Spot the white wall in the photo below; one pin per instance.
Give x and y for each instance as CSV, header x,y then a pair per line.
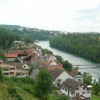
x,y
63,76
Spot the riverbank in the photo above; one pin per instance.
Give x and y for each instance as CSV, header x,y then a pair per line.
x,y
84,65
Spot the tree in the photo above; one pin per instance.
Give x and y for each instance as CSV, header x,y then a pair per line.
x,y
96,88
68,66
59,58
46,51
17,60
43,84
87,78
1,75
18,97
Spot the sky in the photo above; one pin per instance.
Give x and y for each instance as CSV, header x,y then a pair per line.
x,y
61,15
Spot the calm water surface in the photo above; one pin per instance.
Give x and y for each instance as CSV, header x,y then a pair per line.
x,y
83,64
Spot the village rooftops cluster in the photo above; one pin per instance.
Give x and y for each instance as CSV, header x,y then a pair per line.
x,y
19,62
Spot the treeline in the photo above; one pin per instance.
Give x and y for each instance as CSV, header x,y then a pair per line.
x,y
85,45
10,33
30,34
6,38
33,34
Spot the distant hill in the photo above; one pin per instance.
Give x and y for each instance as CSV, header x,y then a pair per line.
x,y
11,27
30,33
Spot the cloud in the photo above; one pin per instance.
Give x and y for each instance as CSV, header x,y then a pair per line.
x,y
88,14
67,15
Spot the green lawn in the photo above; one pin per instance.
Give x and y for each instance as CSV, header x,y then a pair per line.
x,y
94,97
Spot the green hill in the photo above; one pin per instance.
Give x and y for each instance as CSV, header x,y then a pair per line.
x,y
4,93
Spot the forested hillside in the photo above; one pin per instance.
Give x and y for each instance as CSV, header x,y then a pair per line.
x,y
30,34
6,38
85,45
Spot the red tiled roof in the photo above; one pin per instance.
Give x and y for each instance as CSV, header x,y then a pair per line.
x,y
29,50
59,66
11,55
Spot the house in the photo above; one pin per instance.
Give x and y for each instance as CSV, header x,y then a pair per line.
x,y
19,65
51,63
21,53
76,75
11,57
49,57
59,75
75,89
21,72
7,69
14,69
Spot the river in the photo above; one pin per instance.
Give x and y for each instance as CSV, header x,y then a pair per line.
x,y
83,64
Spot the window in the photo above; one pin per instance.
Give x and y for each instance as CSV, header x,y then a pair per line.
x,y
24,66
88,91
11,72
83,92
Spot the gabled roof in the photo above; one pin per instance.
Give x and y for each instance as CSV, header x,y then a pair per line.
x,y
74,73
71,83
11,55
55,73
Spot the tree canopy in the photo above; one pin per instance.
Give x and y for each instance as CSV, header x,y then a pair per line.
x,y
43,84
85,45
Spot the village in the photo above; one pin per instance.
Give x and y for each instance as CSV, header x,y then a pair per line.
x,y
24,60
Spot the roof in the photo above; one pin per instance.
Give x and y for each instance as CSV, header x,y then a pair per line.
x,y
29,50
11,55
74,73
29,55
50,68
55,73
71,83
59,66
17,64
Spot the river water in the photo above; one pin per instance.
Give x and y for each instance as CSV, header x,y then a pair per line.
x,y
83,64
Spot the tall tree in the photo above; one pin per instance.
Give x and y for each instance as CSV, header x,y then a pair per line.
x,y
87,78
96,88
43,84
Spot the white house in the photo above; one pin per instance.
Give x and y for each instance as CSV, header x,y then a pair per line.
x,y
75,89
53,63
76,75
59,75
51,57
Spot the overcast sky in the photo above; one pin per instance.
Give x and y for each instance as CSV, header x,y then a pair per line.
x,y
64,15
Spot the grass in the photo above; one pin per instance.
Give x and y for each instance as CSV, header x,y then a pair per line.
x,y
22,93
94,97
